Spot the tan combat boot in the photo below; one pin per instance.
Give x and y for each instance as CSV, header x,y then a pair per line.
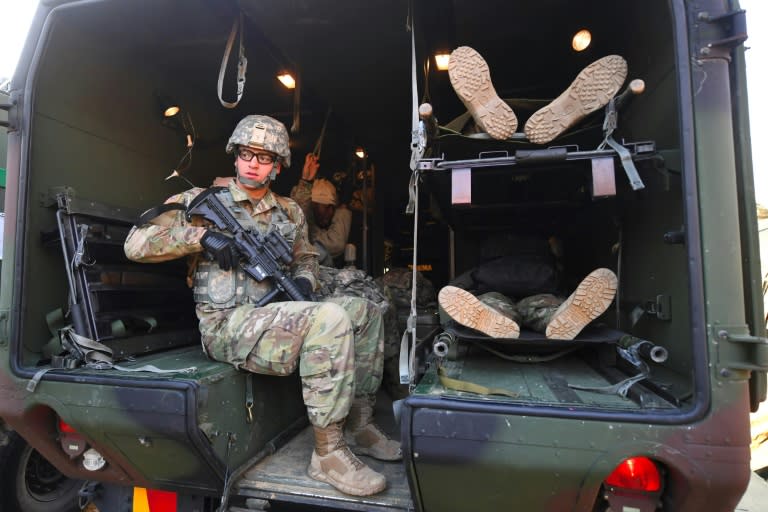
x,y
365,437
333,463
468,310
471,79
592,89
590,300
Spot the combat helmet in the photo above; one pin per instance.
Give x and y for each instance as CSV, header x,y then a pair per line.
x,y
261,132
323,192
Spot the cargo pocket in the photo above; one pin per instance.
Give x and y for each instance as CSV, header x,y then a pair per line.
x,y
317,385
276,352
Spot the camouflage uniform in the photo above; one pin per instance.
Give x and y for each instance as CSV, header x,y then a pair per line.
x,y
533,312
337,345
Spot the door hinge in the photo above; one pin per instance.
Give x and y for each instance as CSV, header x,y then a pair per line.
x,y
753,353
731,32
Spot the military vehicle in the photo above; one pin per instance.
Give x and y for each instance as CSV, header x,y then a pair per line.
x,y
647,409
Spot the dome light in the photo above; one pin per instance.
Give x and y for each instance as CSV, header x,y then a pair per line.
x,y
581,40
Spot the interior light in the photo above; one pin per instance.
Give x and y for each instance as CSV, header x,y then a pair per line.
x,y
636,473
441,60
360,152
581,40
287,80
171,111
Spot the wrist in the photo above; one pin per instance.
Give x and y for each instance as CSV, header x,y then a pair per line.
x,y
306,180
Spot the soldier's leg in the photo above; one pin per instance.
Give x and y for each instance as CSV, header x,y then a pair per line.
x,y
364,436
319,338
468,310
537,310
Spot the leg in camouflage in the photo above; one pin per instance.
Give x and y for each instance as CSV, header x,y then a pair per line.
x,y
321,338
274,339
363,435
537,310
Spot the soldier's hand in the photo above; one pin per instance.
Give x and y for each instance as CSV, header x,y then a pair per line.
x,y
304,286
311,166
222,248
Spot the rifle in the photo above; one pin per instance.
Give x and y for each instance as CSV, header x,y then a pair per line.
x,y
262,254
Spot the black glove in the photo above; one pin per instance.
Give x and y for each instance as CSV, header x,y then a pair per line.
x,y
222,248
304,286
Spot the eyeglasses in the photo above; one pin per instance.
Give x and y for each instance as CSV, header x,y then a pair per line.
x,y
263,158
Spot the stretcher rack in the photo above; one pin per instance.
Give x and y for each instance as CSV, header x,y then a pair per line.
x,y
131,307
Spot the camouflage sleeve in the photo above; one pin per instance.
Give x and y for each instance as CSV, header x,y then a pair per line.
x,y
302,194
304,262
166,237
335,237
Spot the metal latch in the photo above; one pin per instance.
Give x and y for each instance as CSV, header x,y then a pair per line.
x,y
733,31
7,108
661,307
757,356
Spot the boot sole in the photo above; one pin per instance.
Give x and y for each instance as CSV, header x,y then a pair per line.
x,y
346,489
471,79
592,89
467,310
590,300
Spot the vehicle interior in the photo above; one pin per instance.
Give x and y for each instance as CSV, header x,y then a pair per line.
x,y
98,85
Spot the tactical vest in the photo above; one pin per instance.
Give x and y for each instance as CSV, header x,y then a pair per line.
x,y
225,289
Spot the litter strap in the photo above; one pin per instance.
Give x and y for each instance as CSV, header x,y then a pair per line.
x,y
471,387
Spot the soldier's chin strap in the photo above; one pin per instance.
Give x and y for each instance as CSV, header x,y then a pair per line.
x,y
256,183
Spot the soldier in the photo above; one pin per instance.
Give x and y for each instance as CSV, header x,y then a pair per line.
x,y
499,317
329,224
336,344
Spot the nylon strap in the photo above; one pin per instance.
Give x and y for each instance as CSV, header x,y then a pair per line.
x,y
242,63
609,125
471,387
319,144
156,211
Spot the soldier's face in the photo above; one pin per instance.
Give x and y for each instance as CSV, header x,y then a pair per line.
x,y
253,170
323,214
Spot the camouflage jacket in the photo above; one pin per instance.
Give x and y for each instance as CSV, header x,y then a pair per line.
x,y
170,235
334,237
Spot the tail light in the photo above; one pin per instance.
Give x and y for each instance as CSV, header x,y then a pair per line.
x,y
153,500
71,442
635,484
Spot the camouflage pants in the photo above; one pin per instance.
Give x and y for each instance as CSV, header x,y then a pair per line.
x,y
338,346
533,312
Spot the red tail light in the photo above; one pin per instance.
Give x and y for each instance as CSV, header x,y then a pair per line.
x,y
637,474
65,427
161,501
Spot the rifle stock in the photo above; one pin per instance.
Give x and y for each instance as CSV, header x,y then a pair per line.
x,y
262,255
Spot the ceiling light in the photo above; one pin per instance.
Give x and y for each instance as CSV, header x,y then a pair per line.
x,y
581,40
441,60
287,80
360,152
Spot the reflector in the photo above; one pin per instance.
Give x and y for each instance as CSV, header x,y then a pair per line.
x,y
636,473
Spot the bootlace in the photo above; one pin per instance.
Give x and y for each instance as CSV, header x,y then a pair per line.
x,y
346,454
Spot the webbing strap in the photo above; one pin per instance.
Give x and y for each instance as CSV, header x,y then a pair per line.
x,y
242,63
156,211
471,387
319,144
609,125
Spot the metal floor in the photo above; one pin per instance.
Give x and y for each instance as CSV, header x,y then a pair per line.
x,y
282,477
